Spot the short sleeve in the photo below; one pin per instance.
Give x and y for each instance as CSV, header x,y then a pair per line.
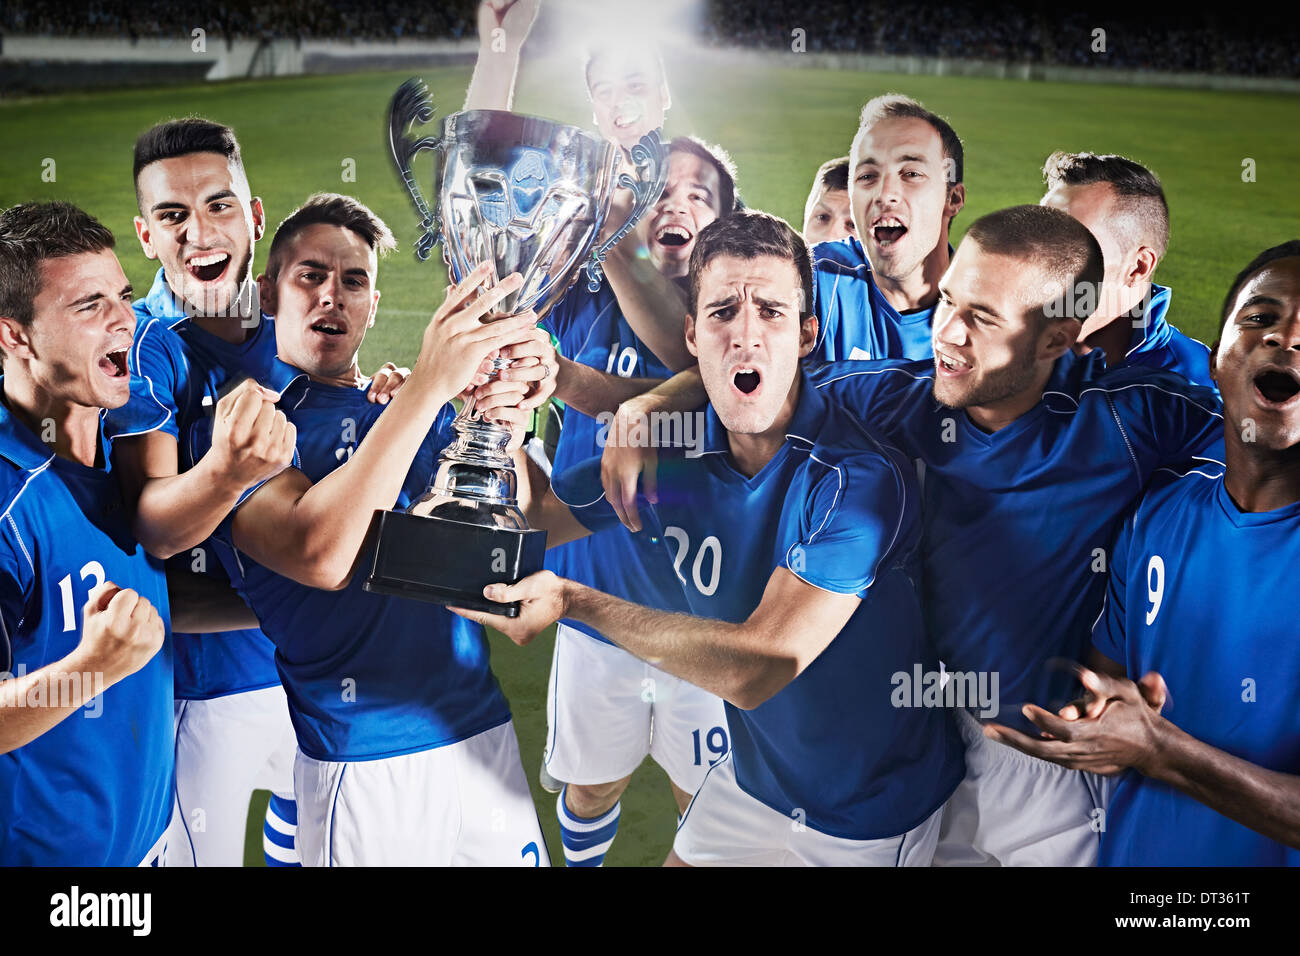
x,y
579,487
1168,419
1108,632
857,513
883,392
157,366
561,321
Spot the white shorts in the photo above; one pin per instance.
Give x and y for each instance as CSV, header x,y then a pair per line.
x,y
606,710
157,855
725,826
1016,810
226,748
465,804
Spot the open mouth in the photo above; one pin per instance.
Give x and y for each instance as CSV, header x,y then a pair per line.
x,y
328,327
949,366
746,380
887,230
1277,387
113,364
626,121
673,236
208,266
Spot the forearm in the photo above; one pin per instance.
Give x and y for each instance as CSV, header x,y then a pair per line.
x,y
492,87
732,661
594,392
330,520
1264,800
681,393
35,702
179,512
653,304
204,605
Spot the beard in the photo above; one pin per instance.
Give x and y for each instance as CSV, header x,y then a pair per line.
x,y
235,299
995,386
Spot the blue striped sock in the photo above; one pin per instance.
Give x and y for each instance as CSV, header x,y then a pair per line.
x,y
586,841
278,832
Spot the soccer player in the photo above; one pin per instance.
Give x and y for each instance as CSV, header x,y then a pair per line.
x,y
406,752
876,290
798,532
1031,454
1123,204
606,709
198,331
1198,603
826,214
86,688
626,82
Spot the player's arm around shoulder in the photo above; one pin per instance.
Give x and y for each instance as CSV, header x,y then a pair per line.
x,y
1165,418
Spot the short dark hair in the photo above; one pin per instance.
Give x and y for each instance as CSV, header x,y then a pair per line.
x,y
898,106
720,160
749,235
1139,196
1055,240
181,137
1285,250
833,174
335,210
32,232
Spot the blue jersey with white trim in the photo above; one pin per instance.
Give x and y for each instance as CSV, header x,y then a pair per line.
x,y
178,372
592,330
367,675
1018,523
1189,596
856,320
96,788
841,511
1156,344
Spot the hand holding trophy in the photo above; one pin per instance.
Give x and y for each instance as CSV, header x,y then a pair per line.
x,y
516,194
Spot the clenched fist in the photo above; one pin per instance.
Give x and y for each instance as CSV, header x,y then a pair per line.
x,y
120,634
251,438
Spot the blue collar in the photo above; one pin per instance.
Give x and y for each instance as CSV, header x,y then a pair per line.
x,y
1152,331
804,425
161,302
20,445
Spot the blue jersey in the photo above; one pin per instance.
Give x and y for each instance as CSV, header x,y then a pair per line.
x,y
1018,523
592,330
1199,591
367,675
841,511
95,789
177,372
856,320
1158,345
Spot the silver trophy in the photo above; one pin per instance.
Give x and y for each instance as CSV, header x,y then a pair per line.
x,y
530,196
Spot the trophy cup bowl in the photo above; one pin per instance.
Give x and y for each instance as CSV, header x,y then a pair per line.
x,y
530,196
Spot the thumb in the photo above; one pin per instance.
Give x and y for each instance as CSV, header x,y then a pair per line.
x,y
101,596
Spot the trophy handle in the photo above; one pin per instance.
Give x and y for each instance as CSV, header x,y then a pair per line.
x,y
650,157
412,102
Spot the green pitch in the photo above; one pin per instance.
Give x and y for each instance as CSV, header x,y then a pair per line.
x,y
328,133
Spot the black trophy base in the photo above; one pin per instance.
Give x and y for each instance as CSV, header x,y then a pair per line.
x,y
450,562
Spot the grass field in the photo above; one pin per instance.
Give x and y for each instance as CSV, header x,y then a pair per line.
x,y
779,126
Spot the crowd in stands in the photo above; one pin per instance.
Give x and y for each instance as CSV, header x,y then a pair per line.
x,y
1033,31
